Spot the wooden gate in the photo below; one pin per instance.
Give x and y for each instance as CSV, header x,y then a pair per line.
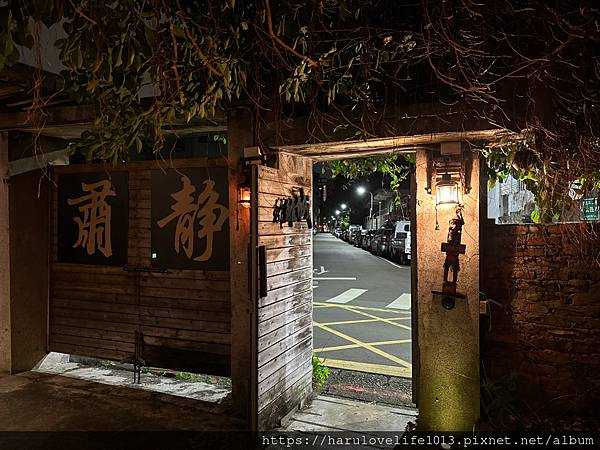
x,y
284,293
99,303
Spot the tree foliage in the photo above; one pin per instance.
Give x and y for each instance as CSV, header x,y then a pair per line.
x,y
396,167
530,65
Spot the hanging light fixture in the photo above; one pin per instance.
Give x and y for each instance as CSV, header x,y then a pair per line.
x,y
447,191
244,196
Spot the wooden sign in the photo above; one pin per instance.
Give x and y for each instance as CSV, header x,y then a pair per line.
x,y
93,216
190,219
296,208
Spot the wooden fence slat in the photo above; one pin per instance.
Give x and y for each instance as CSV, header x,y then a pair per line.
x,y
279,267
285,292
283,319
285,279
270,339
281,254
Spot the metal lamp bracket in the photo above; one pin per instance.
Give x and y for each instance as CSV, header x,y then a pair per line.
x,y
452,159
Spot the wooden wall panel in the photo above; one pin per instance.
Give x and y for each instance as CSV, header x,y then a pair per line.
x,y
284,326
96,310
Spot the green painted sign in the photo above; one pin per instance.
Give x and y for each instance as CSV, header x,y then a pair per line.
x,y
589,209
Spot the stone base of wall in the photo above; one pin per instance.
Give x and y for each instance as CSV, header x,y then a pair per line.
x,y
544,331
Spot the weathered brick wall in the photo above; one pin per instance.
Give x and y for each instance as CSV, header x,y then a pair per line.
x,y
547,329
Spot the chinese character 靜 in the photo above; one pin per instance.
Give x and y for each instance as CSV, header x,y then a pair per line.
x,y
192,210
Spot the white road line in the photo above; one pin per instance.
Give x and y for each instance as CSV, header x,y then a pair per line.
x,y
347,296
336,278
402,302
394,264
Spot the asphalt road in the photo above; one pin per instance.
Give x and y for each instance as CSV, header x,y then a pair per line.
x,y
361,309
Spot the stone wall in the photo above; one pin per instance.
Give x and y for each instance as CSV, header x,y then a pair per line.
x,y
545,330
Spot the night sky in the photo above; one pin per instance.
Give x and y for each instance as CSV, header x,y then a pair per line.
x,y
340,190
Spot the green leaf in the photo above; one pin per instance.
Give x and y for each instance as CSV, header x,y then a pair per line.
x,y
138,144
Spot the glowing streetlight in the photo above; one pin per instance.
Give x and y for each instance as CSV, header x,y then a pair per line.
x,y
337,212
343,206
361,190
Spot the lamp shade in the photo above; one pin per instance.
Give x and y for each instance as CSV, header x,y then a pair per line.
x,y
446,191
244,196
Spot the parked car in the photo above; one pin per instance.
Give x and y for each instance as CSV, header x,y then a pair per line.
x,y
374,241
359,237
400,247
354,234
365,242
382,239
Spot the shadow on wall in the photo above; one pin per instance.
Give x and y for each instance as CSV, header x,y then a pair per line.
x,y
540,345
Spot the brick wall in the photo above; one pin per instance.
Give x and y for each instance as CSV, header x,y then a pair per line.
x,y
546,330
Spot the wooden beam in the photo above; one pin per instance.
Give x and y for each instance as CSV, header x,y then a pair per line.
x,y
390,145
242,310
64,115
68,122
23,165
359,154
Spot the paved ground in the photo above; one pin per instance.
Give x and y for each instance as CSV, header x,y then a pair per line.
x,y
362,309
327,413
40,402
369,387
207,388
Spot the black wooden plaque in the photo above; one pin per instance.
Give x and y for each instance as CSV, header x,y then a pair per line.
x,y
93,218
190,219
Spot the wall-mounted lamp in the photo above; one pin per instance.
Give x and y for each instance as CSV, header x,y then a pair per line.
x,y
449,175
447,191
244,196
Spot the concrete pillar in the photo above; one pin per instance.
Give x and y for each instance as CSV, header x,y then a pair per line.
x,y
29,244
5,322
23,262
448,385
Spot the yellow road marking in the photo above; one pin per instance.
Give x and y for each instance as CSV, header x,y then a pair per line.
x,y
364,345
367,367
382,319
331,305
346,322
348,346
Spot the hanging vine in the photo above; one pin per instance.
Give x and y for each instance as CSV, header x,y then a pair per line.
x,y
529,65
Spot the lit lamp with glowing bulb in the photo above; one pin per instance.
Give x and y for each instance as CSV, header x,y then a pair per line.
x,y
244,196
447,191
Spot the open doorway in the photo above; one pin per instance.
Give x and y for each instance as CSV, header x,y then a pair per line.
x,y
362,286
362,321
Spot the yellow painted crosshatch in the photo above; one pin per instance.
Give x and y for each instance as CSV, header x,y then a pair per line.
x,y
93,212
190,219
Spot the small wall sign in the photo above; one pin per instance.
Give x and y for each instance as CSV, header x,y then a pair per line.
x,y
293,209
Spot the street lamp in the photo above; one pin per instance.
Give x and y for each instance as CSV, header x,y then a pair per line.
x,y
337,212
343,206
361,190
